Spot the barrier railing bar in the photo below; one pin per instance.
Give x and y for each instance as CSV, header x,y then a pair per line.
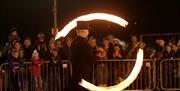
x,y
161,75
112,64
123,60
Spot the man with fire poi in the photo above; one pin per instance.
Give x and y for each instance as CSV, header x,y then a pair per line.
x,y
82,57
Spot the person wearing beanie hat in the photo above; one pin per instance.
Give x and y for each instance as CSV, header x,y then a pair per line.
x,y
36,70
13,36
41,46
13,29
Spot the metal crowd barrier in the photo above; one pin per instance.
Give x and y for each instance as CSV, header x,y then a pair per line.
x,y
170,74
111,72
55,77
104,73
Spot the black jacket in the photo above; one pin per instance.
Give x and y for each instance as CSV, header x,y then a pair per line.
x,y
82,59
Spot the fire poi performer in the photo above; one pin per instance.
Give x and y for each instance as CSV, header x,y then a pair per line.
x,y
125,83
82,57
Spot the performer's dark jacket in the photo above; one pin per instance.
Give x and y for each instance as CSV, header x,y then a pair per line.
x,y
82,59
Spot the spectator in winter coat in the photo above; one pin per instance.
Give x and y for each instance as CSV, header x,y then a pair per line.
x,y
108,47
41,46
16,65
28,49
36,70
160,44
168,53
92,42
102,68
65,51
13,36
54,71
131,48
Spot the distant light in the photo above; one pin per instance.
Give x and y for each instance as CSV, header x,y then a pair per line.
x,y
89,17
133,75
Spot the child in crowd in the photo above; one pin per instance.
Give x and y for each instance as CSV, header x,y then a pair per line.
x,y
16,65
54,70
102,68
36,70
117,53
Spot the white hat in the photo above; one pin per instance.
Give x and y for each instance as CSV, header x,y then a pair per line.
x,y
35,53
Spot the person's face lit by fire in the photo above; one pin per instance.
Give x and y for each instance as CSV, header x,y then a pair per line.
x,y
174,47
58,44
17,46
68,41
83,33
106,42
117,48
168,48
27,42
15,54
134,39
92,42
14,33
55,53
101,53
41,37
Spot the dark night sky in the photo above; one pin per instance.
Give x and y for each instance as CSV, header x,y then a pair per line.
x,y
33,16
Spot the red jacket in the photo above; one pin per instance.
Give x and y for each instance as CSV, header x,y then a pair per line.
x,y
36,69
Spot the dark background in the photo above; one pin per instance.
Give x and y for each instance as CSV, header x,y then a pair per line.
x,y
144,16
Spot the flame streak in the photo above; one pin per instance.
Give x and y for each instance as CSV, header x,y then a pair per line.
x,y
89,17
119,21
122,85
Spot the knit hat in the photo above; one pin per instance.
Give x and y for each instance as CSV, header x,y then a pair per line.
x,y
13,29
35,53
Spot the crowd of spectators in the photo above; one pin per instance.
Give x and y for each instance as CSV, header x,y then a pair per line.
x,y
110,47
20,50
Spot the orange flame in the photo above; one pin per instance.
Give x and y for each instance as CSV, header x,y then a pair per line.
x,y
89,17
